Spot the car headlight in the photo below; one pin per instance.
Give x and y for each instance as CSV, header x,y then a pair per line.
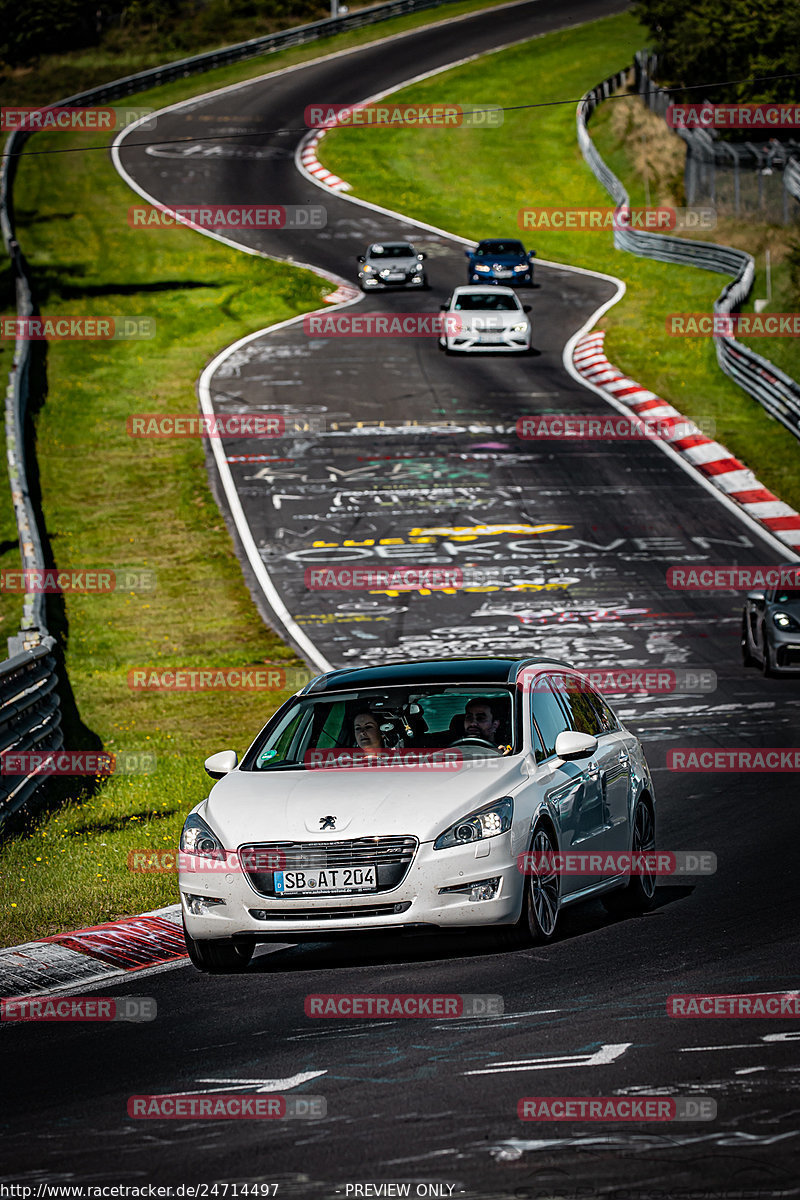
x,y
482,267
521,327
522,267
784,621
197,838
487,822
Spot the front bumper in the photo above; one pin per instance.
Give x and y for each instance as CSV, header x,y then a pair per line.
x,y
416,901
369,283
785,652
510,344
521,279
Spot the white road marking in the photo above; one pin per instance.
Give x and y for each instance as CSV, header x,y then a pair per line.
x,y
606,1054
255,1085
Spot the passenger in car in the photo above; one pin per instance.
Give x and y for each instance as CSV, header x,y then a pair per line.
x,y
367,732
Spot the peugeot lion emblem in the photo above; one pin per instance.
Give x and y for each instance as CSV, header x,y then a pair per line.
x,y
327,822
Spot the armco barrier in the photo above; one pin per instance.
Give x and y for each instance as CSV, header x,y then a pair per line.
x,y
30,718
776,392
31,648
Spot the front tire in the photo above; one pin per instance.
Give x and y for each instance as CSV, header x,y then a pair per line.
x,y
747,658
217,956
541,899
639,894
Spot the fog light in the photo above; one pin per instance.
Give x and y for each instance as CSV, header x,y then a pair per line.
x,y
482,889
200,905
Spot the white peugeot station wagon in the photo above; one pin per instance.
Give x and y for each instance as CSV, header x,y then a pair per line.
x,y
415,797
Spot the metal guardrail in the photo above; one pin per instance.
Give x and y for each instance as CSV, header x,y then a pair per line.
x,y
30,719
775,391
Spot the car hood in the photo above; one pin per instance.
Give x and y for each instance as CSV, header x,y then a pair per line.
x,y
501,260
249,806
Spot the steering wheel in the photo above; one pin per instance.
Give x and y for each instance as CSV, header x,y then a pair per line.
x,y
474,741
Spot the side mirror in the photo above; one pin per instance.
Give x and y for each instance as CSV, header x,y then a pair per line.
x,y
526,308
757,595
570,744
468,253
361,258
220,764
531,254
443,307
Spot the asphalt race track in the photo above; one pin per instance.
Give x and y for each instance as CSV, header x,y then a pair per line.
x,y
411,458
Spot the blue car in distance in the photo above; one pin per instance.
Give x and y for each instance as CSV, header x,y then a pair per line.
x,y
500,260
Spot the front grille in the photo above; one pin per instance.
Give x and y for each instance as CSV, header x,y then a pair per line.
x,y
788,656
391,856
328,914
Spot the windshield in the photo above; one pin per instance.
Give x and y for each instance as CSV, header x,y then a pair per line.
x,y
392,252
386,720
500,248
486,302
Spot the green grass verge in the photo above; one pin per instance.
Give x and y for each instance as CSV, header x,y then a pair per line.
x,y
473,182
113,501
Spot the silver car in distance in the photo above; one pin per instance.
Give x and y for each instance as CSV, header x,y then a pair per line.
x,y
391,265
406,798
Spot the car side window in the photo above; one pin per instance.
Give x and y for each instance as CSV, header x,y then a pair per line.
x,y
588,711
549,718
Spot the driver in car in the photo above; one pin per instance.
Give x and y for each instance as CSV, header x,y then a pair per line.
x,y
481,719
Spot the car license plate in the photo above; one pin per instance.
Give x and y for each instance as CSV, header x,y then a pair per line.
x,y
490,337
327,881
501,273
396,276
